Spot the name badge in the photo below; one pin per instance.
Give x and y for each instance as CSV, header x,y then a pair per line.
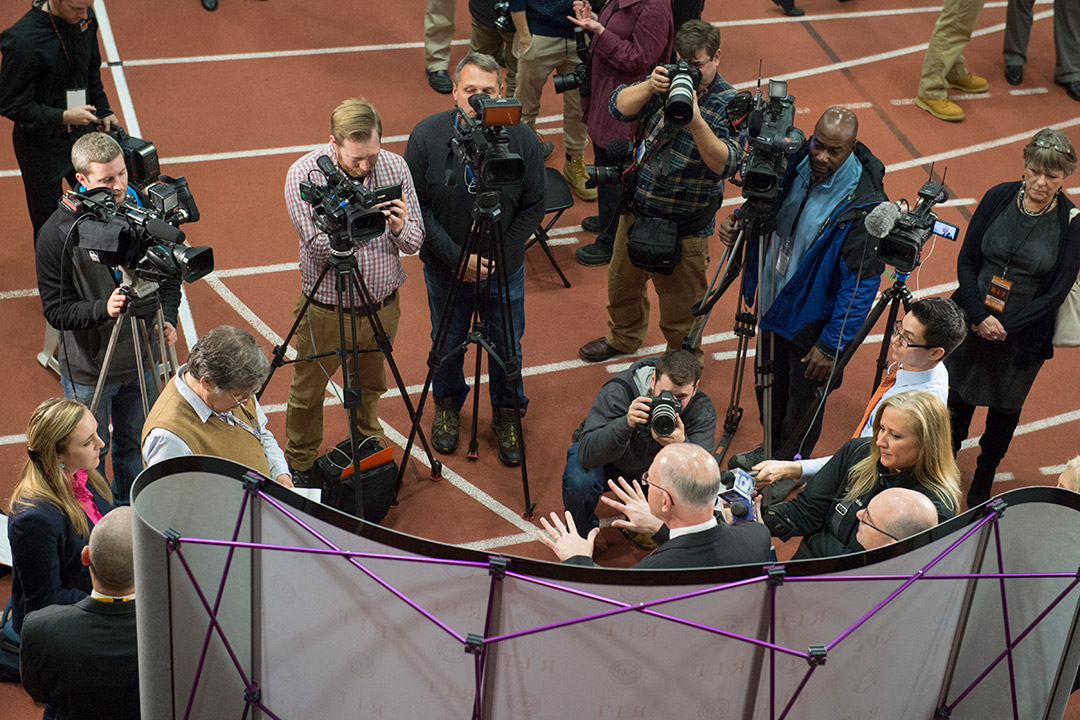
x,y
997,293
783,256
76,98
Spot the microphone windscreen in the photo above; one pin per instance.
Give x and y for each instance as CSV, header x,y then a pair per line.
x,y
739,510
881,220
617,149
164,231
755,122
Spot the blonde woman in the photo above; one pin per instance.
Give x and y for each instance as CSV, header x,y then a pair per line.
x,y
1070,478
909,448
56,502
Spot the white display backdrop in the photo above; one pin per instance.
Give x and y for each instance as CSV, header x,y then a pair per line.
x,y
410,628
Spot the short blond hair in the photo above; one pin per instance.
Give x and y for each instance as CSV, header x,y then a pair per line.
x,y
355,119
95,147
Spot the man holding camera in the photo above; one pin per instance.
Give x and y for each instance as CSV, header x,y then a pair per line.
x,y
679,185
619,438
821,274
82,299
50,87
447,192
354,149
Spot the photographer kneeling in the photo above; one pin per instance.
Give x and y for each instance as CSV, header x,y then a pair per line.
x,y
619,435
684,153
82,299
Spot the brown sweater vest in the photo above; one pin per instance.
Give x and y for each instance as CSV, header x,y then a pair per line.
x,y
215,436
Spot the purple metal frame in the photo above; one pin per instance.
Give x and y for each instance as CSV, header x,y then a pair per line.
x,y
479,645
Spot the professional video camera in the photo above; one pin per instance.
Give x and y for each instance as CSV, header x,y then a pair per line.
x,y
663,413
578,78
902,235
140,157
773,141
144,241
343,203
684,79
481,144
503,21
620,156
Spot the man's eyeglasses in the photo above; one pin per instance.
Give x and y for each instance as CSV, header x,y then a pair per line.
x,y
241,400
865,520
898,333
1047,145
645,481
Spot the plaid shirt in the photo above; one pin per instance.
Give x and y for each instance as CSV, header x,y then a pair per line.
x,y
379,263
690,185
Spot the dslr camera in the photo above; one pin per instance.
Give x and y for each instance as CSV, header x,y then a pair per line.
x,y
773,141
685,79
343,208
578,78
664,411
480,143
503,21
620,156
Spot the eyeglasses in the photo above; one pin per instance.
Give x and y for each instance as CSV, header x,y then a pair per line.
x,y
645,481
1047,145
898,333
865,520
242,400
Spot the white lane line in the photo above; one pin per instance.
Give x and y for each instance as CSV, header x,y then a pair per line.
x,y
12,439
280,54
1004,477
1052,469
257,270
1030,91
12,294
814,17
1033,426
501,542
959,97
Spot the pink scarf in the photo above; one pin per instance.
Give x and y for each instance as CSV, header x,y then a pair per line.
x,y
84,497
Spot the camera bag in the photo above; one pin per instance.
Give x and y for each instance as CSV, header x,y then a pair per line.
x,y
653,245
375,483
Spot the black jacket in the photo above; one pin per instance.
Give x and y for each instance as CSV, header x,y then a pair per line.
x,y
827,524
743,544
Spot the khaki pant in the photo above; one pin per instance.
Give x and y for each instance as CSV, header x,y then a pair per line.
x,y
544,56
438,32
944,61
628,294
489,41
318,333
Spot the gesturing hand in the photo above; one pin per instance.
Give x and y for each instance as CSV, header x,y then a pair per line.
x,y
564,539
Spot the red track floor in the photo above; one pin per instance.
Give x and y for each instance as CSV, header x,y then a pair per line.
x,y
255,115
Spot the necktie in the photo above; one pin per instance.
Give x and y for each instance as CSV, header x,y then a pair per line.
x,y
886,382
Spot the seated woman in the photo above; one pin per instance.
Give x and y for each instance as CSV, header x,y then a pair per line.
x,y
1069,479
59,497
910,448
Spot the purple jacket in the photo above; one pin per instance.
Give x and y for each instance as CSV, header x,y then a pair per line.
x,y
637,37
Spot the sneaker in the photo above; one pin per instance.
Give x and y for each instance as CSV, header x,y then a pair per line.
x,y
502,422
748,459
591,224
970,84
944,109
444,428
598,350
592,255
576,177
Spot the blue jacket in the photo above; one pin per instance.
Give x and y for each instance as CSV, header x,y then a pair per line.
x,y
837,277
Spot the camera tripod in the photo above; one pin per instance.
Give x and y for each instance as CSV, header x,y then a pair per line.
x,y
350,287
486,232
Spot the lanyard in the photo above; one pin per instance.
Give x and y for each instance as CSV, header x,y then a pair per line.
x,y
63,45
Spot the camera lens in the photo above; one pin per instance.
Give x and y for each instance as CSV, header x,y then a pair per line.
x,y
569,81
680,102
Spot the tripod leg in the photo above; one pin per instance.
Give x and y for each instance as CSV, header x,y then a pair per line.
x,y
106,363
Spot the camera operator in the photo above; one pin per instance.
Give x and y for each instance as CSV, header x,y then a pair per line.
x,y
617,439
50,87
680,183
821,272
354,148
628,40
82,299
447,210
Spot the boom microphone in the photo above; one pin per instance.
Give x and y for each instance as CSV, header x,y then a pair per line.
x,y
881,220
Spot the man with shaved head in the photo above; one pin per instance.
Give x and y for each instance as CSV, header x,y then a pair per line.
x,y
892,515
82,660
820,275
683,482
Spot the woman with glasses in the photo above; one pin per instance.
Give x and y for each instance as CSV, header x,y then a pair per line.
x,y
909,448
1018,261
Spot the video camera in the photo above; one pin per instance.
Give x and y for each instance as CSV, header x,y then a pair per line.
x,y
620,157
480,143
684,79
140,157
902,235
578,78
773,140
343,203
145,242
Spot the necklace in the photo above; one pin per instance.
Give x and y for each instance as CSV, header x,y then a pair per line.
x,y
1035,213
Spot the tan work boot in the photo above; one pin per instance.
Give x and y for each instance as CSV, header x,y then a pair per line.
x,y
943,109
970,84
574,172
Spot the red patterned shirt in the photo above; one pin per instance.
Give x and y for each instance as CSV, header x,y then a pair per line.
x,y
378,259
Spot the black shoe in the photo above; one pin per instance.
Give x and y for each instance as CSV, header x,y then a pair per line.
x,y
301,478
748,459
789,8
502,422
597,351
1072,88
1014,74
591,224
444,428
440,81
592,255
546,148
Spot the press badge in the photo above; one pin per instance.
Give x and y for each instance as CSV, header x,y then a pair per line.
x,y
783,256
76,98
997,293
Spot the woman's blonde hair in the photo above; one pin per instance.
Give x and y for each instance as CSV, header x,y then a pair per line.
x,y
935,469
42,478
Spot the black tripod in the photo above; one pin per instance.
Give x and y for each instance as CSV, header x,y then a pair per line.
x,y
350,286
485,233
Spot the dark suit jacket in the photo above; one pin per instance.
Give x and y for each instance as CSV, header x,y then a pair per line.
x,y
746,543
83,659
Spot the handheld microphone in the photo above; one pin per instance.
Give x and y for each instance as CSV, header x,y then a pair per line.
x,y
881,220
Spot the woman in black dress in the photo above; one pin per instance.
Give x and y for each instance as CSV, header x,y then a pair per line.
x,y
1018,261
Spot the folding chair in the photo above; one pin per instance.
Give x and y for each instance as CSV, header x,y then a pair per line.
x,y
557,199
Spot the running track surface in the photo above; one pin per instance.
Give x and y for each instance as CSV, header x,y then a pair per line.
x,y
232,98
